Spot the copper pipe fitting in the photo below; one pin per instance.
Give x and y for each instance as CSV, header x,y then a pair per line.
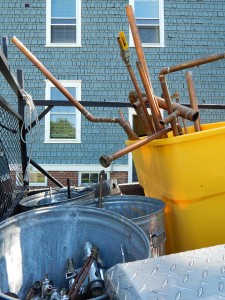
x,y
64,91
105,160
192,96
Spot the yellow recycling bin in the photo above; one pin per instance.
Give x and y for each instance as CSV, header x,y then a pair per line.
x,y
188,173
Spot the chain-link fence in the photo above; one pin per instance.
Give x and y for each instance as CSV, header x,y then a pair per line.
x,y
11,173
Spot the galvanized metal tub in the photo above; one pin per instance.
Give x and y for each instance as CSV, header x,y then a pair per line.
x,y
146,212
38,242
56,197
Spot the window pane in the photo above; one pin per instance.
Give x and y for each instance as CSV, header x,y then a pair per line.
x,y
64,8
146,8
149,34
62,127
94,177
58,96
36,177
85,178
63,34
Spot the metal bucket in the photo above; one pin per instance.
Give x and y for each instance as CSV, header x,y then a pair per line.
x,y
56,197
146,212
38,242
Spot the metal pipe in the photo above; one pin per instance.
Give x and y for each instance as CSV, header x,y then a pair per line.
x,y
150,97
170,117
105,160
139,48
192,63
166,94
192,96
64,91
101,188
142,112
185,112
39,168
68,189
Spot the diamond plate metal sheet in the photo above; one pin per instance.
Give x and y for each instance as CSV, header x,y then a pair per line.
x,y
197,274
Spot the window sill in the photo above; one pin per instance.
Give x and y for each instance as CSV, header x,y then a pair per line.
x,y
61,142
63,45
150,46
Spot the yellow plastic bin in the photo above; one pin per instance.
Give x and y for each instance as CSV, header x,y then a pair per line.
x,y
188,173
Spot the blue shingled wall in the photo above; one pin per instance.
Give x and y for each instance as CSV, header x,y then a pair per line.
x,y
193,29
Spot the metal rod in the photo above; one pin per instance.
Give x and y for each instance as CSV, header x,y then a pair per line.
x,y
139,48
150,97
101,188
185,111
192,96
166,94
169,118
105,160
65,92
68,189
142,112
149,129
192,63
39,168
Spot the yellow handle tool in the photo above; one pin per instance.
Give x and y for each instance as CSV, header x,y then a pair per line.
x,y
123,40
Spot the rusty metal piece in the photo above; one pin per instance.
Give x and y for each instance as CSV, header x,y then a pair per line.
x,y
172,117
68,189
33,290
83,273
101,174
142,112
131,135
177,98
192,96
149,129
137,41
166,94
185,112
150,97
105,160
192,63
139,49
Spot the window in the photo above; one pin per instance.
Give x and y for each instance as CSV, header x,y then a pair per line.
x,y
149,16
36,178
63,122
63,23
90,177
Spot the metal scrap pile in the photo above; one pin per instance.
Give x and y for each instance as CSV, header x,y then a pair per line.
x,y
84,283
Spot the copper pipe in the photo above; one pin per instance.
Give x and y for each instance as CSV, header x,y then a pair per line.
x,y
139,48
105,160
142,112
169,118
185,112
177,97
166,94
192,96
64,91
150,97
192,63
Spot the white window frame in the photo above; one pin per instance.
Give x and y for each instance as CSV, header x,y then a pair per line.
x,y
161,28
66,83
48,27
